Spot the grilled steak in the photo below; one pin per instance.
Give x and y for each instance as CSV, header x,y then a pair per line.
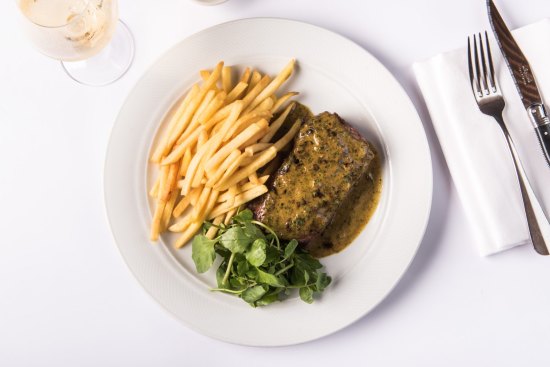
x,y
328,158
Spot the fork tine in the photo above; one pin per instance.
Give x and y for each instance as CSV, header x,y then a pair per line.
x,y
474,79
491,76
484,80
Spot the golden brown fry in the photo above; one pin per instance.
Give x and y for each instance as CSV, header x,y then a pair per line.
x,y
205,74
157,155
226,79
266,105
236,92
155,189
252,94
254,138
167,215
212,108
193,167
157,217
179,150
256,77
256,148
201,203
246,76
185,162
274,85
229,215
187,234
215,178
262,159
184,203
213,231
241,199
233,144
212,199
245,121
276,125
288,136
182,224
193,105
254,178
281,101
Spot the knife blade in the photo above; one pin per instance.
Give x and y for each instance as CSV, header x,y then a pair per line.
x,y
523,78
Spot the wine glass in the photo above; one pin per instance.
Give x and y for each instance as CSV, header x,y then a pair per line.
x,y
94,46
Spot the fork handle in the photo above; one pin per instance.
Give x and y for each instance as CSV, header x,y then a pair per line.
x,y
527,194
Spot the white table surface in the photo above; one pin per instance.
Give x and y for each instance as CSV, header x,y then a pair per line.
x,y
68,299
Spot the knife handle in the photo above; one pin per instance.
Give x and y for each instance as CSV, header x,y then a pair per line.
x,y
543,133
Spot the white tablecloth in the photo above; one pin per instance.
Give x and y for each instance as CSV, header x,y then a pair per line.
x,y
67,298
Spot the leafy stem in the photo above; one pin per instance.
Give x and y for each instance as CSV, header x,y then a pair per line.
x,y
269,230
228,270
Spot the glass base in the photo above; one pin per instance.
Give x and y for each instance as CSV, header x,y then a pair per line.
x,y
107,66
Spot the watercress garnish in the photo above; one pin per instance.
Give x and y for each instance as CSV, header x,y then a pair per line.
x,y
256,266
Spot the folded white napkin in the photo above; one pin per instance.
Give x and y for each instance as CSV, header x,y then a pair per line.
x,y
474,146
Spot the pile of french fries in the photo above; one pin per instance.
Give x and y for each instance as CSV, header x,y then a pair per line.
x,y
216,141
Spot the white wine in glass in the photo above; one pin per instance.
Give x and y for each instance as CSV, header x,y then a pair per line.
x,y
95,48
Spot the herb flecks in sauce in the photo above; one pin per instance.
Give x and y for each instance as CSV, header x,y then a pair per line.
x,y
312,189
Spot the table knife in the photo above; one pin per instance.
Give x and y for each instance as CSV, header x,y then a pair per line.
x,y
523,78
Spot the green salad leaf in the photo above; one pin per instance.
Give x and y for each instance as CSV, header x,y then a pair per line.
x,y
256,266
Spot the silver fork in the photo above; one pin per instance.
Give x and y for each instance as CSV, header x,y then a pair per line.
x,y
490,101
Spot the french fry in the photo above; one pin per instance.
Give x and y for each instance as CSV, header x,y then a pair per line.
x,y
155,189
227,195
254,138
236,92
226,79
157,155
234,155
182,224
280,144
191,198
157,217
187,234
213,231
233,192
234,144
205,74
182,123
207,208
263,159
254,92
208,98
281,101
276,125
274,85
232,168
201,203
245,121
167,215
240,199
229,215
266,105
179,150
254,178
256,77
186,159
246,76
256,148
212,108
193,167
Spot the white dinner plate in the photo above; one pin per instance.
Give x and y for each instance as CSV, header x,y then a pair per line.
x,y
333,74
